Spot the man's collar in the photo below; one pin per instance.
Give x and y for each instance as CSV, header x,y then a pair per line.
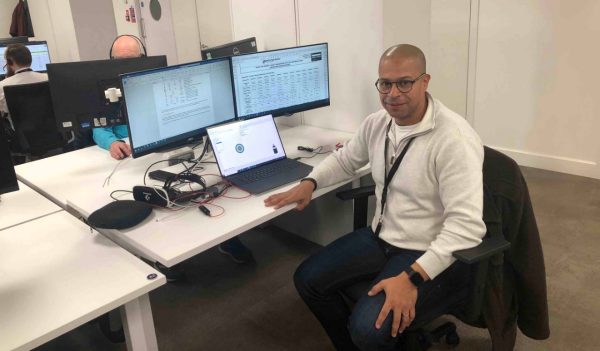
x,y
22,69
428,121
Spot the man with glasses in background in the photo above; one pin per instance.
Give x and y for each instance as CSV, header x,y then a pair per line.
x,y
426,162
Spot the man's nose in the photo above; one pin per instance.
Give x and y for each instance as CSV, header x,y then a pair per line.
x,y
395,91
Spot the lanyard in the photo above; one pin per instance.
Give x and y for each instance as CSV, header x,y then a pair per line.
x,y
390,175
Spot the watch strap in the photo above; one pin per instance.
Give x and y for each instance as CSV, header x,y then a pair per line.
x,y
414,277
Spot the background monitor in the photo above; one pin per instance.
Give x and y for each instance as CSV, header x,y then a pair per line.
x,y
172,106
8,178
281,82
13,40
77,90
244,46
40,56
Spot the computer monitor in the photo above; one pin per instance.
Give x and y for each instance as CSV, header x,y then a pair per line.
x,y
172,106
78,88
40,56
244,46
8,178
281,82
13,40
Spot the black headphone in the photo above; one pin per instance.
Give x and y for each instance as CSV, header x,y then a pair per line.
x,y
142,47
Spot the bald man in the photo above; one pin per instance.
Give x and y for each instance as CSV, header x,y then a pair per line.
x,y
426,162
111,138
126,46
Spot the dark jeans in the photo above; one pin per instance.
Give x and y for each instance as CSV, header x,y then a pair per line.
x,y
356,260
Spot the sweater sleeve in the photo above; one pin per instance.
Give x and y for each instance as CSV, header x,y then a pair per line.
x,y
458,167
343,163
104,137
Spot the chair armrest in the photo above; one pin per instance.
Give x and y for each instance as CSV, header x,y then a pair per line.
x,y
486,249
356,193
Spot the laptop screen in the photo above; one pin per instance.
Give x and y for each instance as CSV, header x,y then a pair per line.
x,y
246,144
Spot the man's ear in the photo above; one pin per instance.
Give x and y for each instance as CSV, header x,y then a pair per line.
x,y
426,79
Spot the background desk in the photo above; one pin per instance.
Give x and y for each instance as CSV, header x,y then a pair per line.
x,y
75,179
55,275
24,205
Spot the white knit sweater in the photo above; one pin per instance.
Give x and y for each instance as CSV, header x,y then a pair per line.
x,y
435,199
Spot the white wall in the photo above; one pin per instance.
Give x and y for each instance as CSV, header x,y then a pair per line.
x,y
440,29
448,58
407,22
272,22
537,82
124,27
185,26
52,21
95,28
6,10
353,29
214,21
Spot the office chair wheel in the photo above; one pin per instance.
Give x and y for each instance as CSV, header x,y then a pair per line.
x,y
452,338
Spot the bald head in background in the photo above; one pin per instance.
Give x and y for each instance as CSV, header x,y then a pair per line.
x,y
126,47
404,64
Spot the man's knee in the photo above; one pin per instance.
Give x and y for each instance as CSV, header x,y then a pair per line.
x,y
361,326
303,278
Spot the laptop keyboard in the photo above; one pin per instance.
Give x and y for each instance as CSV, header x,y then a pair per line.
x,y
263,172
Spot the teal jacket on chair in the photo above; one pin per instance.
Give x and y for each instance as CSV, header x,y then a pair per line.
x,y
106,136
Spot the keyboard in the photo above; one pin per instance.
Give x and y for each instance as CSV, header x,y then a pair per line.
x,y
263,172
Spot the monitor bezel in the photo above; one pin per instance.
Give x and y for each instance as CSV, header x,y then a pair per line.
x,y
69,117
203,53
182,139
290,110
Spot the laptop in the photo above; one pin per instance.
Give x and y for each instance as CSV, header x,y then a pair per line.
x,y
250,155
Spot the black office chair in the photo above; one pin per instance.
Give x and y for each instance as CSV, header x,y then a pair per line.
x,y
32,114
467,301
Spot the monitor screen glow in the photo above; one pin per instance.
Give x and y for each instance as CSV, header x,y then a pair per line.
x,y
39,56
174,105
281,82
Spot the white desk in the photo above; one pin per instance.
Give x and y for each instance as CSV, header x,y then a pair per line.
x,y
168,237
22,206
82,171
55,275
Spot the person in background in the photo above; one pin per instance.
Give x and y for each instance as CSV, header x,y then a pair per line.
x,y
111,138
426,162
18,70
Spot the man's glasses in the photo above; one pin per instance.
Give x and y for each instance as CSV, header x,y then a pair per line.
x,y
404,86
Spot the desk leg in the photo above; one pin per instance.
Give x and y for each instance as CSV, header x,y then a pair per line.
x,y
138,325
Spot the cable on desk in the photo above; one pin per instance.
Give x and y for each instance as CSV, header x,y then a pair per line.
x,y
107,179
315,151
119,191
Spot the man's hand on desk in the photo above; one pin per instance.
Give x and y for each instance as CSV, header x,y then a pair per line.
x,y
301,194
119,150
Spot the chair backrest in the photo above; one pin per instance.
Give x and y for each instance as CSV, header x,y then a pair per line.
x,y
32,113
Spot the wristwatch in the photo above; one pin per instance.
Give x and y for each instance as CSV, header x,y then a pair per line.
x,y
414,276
